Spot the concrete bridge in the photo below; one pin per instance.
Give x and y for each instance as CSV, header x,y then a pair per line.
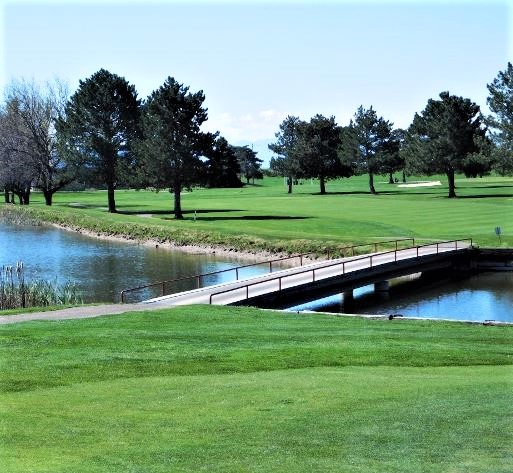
x,y
292,286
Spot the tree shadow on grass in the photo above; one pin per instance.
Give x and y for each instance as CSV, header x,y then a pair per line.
x,y
484,186
341,193
378,193
485,196
171,212
248,217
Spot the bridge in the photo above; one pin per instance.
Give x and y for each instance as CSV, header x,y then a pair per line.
x,y
291,286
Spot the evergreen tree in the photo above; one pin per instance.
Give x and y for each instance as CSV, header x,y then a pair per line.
x,y
172,141
286,163
99,127
249,163
500,102
222,166
377,147
317,150
442,138
392,160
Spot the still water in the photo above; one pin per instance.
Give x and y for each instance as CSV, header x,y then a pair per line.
x,y
103,268
480,297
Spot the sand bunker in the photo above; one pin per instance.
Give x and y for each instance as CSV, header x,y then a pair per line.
x,y
421,184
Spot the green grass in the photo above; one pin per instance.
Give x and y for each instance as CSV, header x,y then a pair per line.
x,y
264,216
223,389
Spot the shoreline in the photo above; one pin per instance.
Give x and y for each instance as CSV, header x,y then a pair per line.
x,y
243,247
257,256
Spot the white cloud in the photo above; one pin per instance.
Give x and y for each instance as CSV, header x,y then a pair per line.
x,y
247,127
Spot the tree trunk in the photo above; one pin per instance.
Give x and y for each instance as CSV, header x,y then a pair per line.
x,y
371,183
452,187
404,176
23,197
323,185
110,196
48,196
390,178
7,196
289,184
178,202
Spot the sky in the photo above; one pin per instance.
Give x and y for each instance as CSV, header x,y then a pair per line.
x,y
259,61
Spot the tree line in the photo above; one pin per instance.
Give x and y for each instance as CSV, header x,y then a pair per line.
x,y
104,135
449,136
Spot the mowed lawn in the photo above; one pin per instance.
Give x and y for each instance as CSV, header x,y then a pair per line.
x,y
347,214
223,389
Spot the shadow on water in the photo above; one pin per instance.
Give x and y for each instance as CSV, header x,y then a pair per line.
x,y
480,297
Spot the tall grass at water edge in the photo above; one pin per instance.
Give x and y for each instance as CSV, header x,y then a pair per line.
x,y
16,292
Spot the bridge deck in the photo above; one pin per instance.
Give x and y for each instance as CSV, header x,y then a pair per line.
x,y
302,277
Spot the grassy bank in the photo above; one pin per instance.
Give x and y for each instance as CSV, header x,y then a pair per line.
x,y
237,389
264,218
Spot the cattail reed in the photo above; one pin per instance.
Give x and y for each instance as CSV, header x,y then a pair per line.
x,y
16,292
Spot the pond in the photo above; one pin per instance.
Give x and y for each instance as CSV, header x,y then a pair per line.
x,y
480,297
102,268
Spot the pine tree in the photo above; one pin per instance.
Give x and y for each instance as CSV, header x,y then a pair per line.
x,y
443,136
172,141
99,128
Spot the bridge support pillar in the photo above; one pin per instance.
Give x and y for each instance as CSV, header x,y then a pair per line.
x,y
382,290
348,302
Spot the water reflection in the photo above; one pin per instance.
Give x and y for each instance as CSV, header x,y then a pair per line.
x,y
481,297
102,268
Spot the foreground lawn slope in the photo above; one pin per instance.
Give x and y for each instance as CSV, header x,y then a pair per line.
x,y
238,389
265,217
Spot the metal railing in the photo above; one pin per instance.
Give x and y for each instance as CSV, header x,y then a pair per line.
x,y
371,258
198,278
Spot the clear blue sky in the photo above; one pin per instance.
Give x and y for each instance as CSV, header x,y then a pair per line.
x,y
259,61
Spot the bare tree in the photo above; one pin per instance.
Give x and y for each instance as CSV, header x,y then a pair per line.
x,y
36,110
16,169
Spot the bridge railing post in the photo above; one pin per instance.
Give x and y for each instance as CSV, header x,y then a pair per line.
x,y
162,289
198,281
270,266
